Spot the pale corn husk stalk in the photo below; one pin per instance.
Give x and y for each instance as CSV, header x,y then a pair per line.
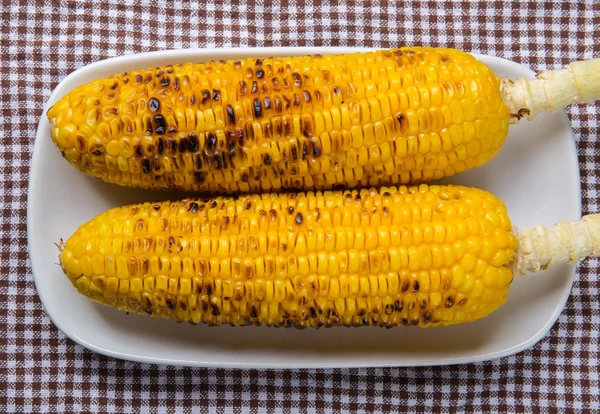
x,y
552,90
565,242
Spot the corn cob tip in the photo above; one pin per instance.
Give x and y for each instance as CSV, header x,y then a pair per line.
x,y
565,242
552,90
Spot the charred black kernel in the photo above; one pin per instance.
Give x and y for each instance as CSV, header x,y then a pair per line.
x,y
199,176
427,317
205,96
183,145
148,78
156,206
423,304
244,178
267,104
126,81
155,164
278,107
193,100
164,81
224,159
259,62
254,87
306,95
290,209
389,309
260,73
449,302
243,88
146,166
230,115
193,142
296,100
294,153
416,286
336,91
172,144
208,288
299,218
253,312
215,310
405,286
358,197
171,241
313,312
176,84
149,128
138,78
160,144
316,151
216,96
211,141
170,304
398,305
304,151
193,207
154,104
297,79
287,101
218,162
267,159
257,108
160,124
198,160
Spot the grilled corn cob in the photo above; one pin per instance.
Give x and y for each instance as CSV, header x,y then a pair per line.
x,y
383,118
422,256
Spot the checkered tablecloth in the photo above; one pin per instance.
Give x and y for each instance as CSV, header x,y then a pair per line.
x,y
42,42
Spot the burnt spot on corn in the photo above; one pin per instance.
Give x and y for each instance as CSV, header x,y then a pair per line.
x,y
183,145
193,143
257,108
299,218
199,176
218,161
160,124
156,207
297,79
389,309
154,104
416,286
242,88
146,166
165,81
260,73
193,207
230,115
216,96
211,141
176,84
172,144
266,159
244,177
205,96
254,87
160,145
170,304
294,153
449,302
267,104
306,96
138,78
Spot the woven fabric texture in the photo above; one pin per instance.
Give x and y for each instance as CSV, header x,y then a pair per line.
x,y
41,42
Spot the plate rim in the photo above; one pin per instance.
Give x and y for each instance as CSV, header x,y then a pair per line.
x,y
276,51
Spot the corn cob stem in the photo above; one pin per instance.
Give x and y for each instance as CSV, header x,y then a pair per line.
x,y
552,90
565,242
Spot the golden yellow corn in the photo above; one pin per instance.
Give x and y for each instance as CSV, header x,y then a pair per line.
x,y
424,256
382,118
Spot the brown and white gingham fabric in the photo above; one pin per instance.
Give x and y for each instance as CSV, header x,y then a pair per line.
x,y
43,371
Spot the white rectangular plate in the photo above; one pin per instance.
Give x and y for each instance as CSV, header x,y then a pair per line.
x,y
536,174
